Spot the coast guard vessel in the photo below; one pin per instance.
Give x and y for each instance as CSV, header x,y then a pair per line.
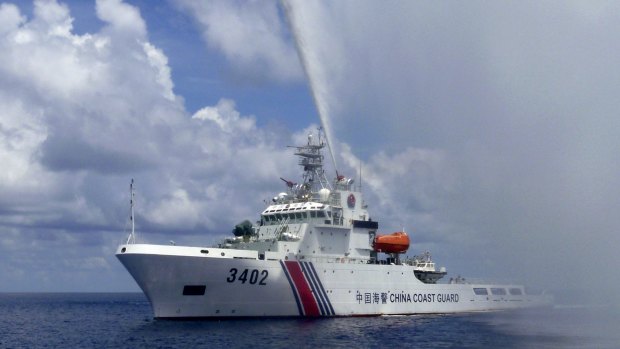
x,y
314,252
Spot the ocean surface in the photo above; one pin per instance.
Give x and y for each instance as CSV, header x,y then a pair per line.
x,y
124,320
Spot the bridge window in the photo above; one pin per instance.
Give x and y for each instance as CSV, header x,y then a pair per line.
x,y
481,291
516,291
498,291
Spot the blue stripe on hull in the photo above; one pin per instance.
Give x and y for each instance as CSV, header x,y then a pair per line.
x,y
288,277
329,304
315,289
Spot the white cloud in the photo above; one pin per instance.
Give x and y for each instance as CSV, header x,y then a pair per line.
x,y
226,117
53,17
158,61
176,211
10,17
84,109
22,133
81,114
122,18
53,67
250,34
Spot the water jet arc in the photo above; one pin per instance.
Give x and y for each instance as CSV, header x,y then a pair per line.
x,y
311,70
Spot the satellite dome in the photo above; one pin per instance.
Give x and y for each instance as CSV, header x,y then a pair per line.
x,y
324,194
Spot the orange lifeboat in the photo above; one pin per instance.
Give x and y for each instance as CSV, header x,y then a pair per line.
x,y
393,243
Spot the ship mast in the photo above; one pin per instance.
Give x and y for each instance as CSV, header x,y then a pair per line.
x,y
311,160
132,236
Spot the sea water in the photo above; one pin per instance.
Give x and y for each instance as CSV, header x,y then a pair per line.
x,y
121,320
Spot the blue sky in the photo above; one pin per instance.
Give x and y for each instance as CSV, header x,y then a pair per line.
x,y
202,75
487,131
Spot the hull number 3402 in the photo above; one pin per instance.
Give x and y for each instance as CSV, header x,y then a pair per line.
x,y
252,276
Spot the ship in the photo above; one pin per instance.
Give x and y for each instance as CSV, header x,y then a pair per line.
x,y
315,251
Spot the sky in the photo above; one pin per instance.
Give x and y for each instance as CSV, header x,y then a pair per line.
x,y
487,131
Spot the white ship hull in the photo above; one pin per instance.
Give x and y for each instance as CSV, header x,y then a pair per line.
x,y
187,282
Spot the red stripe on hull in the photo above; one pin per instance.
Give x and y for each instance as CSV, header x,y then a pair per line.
x,y
308,301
